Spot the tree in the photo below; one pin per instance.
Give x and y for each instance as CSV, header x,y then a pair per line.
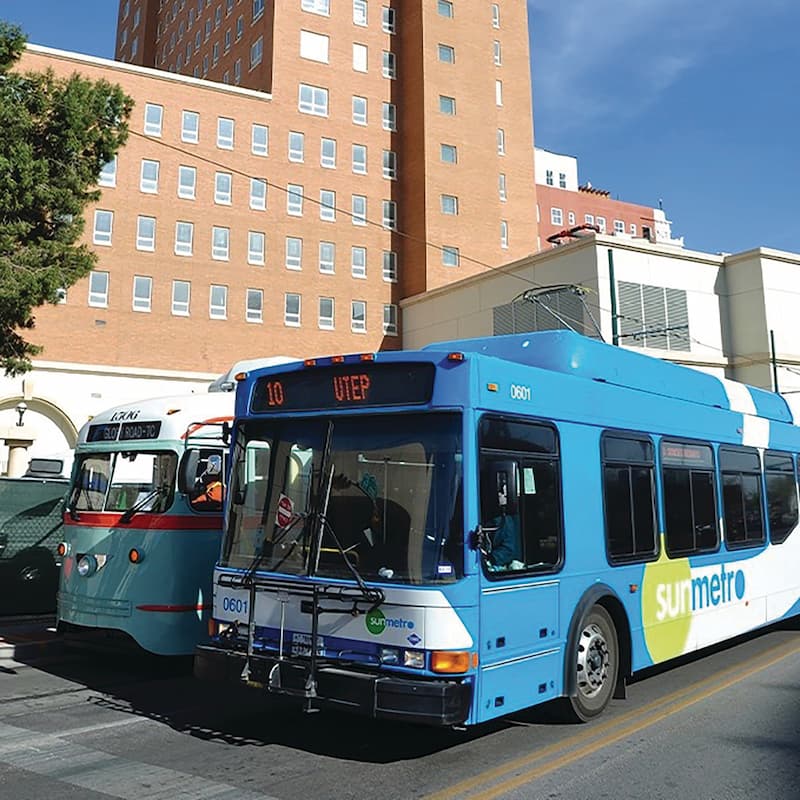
x,y
57,134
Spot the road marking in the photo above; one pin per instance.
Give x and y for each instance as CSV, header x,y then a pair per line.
x,y
590,741
51,756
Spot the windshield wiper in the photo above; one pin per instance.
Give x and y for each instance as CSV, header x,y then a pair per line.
x,y
141,503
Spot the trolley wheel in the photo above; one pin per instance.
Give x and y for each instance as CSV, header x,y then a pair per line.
x,y
596,665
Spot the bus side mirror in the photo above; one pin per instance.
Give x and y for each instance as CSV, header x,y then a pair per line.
x,y
226,432
187,472
500,492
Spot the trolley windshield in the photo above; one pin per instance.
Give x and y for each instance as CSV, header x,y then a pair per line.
x,y
124,481
380,495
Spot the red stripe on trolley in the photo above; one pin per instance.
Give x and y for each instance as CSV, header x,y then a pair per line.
x,y
175,609
145,521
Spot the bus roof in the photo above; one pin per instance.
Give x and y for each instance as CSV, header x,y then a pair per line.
x,y
175,413
573,354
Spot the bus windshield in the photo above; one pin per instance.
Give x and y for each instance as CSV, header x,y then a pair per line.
x,y
124,481
387,498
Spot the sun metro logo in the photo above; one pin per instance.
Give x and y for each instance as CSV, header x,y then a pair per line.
x,y
377,622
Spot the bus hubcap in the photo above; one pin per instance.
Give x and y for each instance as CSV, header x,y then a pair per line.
x,y
593,661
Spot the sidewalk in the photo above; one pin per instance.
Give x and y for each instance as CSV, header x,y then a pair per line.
x,y
28,639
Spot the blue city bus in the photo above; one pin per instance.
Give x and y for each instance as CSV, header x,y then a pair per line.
x,y
452,534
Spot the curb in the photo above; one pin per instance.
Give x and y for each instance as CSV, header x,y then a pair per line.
x,y
26,639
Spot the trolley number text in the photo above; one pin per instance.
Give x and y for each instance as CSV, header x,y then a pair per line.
x,y
519,392
234,605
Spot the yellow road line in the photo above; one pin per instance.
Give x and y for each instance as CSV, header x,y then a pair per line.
x,y
669,705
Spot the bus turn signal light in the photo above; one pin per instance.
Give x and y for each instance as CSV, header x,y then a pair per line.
x,y
450,661
62,549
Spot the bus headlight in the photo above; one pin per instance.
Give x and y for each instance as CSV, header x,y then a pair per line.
x,y
414,658
87,566
389,655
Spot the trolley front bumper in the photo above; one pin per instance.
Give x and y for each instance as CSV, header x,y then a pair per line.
x,y
428,702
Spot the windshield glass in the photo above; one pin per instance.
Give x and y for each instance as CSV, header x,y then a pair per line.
x,y
388,500
120,481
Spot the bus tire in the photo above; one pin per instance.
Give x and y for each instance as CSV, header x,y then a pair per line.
x,y
596,665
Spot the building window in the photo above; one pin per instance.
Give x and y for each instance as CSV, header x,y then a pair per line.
x,y
239,28
503,234
142,293
359,110
619,226
227,41
325,321
388,20
296,146
548,177
495,15
390,320
498,93
294,200
256,52
447,105
327,205
389,65
447,54
327,257
390,164
501,187
223,188
501,142
327,153
445,8
103,227
390,215
220,243
255,305
258,9
153,118
258,194
359,159
148,180
316,6
255,247
498,54
449,204
146,233
360,57
588,219
294,253
190,127
184,235
556,216
571,218
291,310
259,140
449,153
359,12
313,100
237,71
359,209
218,302
215,54
390,266
181,293
108,175
98,289
389,115
450,257
358,262
187,182
314,46
601,223
562,180
358,316
633,229
225,129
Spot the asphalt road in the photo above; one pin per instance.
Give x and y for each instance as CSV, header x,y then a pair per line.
x,y
722,727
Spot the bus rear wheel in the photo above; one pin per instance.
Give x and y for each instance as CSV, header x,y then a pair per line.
x,y
596,665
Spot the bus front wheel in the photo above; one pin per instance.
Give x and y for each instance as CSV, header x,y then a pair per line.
x,y
596,665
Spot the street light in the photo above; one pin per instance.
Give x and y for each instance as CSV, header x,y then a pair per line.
x,y
21,408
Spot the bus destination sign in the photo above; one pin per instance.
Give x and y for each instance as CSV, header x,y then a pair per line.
x,y
103,433
366,384
139,430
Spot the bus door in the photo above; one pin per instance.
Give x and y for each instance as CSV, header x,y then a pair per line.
x,y
521,544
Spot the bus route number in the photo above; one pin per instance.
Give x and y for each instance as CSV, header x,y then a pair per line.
x,y
275,395
235,605
519,392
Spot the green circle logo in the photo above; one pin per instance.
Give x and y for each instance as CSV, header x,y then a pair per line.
x,y
666,606
375,622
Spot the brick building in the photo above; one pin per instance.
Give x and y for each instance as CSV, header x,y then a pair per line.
x,y
360,153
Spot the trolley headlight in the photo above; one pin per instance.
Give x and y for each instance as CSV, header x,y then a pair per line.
x,y
414,658
87,566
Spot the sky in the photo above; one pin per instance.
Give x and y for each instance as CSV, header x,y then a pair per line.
x,y
691,103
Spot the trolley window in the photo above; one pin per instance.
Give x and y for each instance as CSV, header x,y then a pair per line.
x,y
741,496
779,474
629,497
521,514
690,505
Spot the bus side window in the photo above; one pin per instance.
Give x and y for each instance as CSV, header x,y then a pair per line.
x,y
208,491
781,495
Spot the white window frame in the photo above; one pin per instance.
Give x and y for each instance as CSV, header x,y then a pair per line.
x,y
496,15
314,47
601,223
358,316
98,288
256,52
142,300
225,140
389,165
184,246
259,139
358,261
389,116
451,256
388,20
390,319
148,183
444,8
360,12
223,188
502,187
327,205
322,7
153,119
446,54
297,147
254,311
497,52
103,228
501,142
190,127
448,149
447,105
108,174
389,65
293,258
359,159
180,308
313,100
220,243
258,194
358,117
449,205
326,322
327,159
556,216
498,93
358,207
360,57
294,199
217,310
389,215
187,190
389,261
145,240
291,318
256,248
504,234
619,226
327,265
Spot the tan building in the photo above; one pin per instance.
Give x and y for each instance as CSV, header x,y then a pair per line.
x,y
370,151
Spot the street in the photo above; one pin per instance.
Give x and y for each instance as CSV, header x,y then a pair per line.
x,y
82,725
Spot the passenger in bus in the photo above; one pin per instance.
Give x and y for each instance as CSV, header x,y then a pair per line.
x,y
506,552
208,491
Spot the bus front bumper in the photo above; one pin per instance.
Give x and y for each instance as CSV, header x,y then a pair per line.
x,y
382,696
